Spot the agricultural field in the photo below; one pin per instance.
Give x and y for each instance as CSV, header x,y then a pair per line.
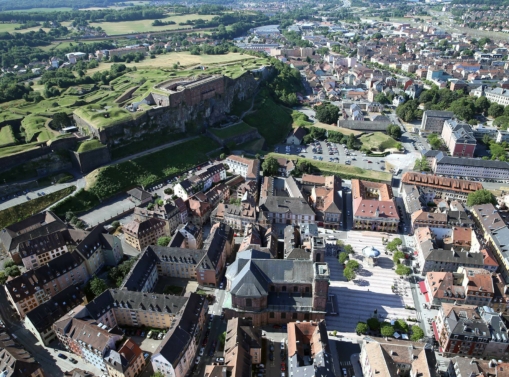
x,y
42,10
238,129
141,26
378,142
345,171
7,136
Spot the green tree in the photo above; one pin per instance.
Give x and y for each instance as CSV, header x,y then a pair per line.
x,y
480,197
373,324
434,140
163,241
351,142
348,249
382,98
327,113
343,257
397,256
417,333
393,245
482,104
222,338
349,274
3,277
270,166
158,374
60,120
502,121
96,286
353,264
402,48
495,110
304,166
497,152
13,271
486,139
361,328
463,108
422,164
401,325
394,131
401,270
386,329
168,191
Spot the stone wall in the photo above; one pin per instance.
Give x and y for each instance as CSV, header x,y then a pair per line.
x,y
238,139
215,102
90,160
43,149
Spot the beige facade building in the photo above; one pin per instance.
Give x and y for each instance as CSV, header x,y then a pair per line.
x,y
140,234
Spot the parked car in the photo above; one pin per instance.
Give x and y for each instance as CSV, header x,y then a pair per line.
x,y
197,361
145,355
143,334
271,356
62,356
160,336
220,360
74,361
202,351
282,345
149,335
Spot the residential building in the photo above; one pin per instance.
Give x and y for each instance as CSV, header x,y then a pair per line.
x,y
470,286
127,50
188,236
15,360
199,209
285,167
410,195
433,121
496,234
391,357
172,214
433,187
422,218
296,136
274,290
374,207
459,330
470,167
139,196
236,216
459,138
309,354
127,361
34,287
140,234
143,275
260,238
286,210
247,168
201,181
39,321
497,95
463,366
89,339
175,354
31,228
502,135
327,202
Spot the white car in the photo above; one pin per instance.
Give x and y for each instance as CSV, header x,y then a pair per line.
x,y
197,361
202,351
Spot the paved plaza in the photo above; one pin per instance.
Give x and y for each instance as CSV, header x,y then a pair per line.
x,y
370,290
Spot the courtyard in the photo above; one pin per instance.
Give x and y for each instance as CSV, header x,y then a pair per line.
x,y
370,290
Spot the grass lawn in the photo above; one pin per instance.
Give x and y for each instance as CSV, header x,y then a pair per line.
x,y
140,26
107,181
101,119
24,210
89,145
231,131
16,149
273,122
173,290
377,141
42,10
184,58
253,146
345,171
34,127
6,136
80,202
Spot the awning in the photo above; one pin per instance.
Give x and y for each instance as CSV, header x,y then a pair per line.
x,y
422,287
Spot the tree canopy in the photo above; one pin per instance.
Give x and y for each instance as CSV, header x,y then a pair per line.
x,y
480,197
394,131
327,113
163,241
361,328
270,166
417,333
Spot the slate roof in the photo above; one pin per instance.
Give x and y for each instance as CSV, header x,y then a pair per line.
x,y
44,315
472,162
282,204
141,271
437,183
439,114
139,194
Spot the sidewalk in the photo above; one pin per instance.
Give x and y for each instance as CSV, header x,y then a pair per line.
x,y
356,365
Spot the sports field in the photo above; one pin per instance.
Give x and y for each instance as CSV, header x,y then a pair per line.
x,y
140,26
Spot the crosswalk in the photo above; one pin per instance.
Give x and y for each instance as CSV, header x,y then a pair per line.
x,y
371,290
345,363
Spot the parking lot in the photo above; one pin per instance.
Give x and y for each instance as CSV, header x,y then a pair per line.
x,y
338,153
275,344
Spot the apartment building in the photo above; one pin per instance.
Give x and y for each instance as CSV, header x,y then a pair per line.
x,y
127,50
275,291
285,210
250,187
38,251
247,168
374,207
236,216
459,138
128,361
187,236
309,354
497,95
460,366
39,321
172,214
33,288
260,238
201,181
496,234
391,357
143,275
433,187
470,286
87,338
175,354
15,360
470,167
433,121
327,202
140,234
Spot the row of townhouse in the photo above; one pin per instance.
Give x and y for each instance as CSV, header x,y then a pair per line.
x,y
201,181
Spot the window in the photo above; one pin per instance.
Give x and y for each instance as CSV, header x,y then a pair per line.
x,y
249,302
283,288
294,315
271,315
307,289
295,289
283,315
